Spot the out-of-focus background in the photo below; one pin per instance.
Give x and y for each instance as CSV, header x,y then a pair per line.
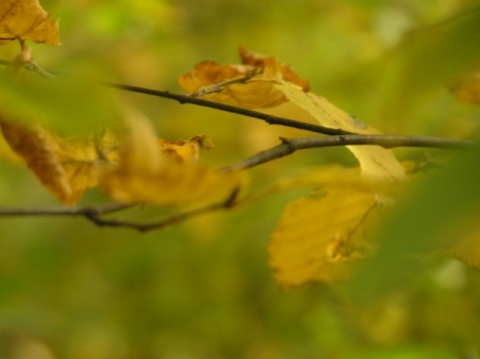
x,y
202,288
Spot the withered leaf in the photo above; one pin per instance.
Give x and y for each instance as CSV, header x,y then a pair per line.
x,y
254,93
27,20
65,167
181,150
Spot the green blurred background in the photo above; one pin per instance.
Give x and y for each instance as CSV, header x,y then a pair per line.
x,y
202,288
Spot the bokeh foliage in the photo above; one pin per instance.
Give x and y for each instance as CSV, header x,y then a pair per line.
x,y
202,288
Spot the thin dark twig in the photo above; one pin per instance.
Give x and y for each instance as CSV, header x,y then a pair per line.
x,y
164,222
272,120
289,146
101,209
94,213
230,202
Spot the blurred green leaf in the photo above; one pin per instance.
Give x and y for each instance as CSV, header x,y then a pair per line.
x,y
429,57
68,104
417,225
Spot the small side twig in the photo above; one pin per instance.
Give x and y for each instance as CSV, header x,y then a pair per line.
x,y
218,87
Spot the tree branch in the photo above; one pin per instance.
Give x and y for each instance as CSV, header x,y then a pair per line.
x,y
98,210
337,137
95,213
341,137
289,146
272,120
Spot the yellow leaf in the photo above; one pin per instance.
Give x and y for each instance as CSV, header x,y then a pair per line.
x,y
377,163
149,174
251,94
320,237
27,20
65,167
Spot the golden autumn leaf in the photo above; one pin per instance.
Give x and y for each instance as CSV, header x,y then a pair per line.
x,y
248,94
320,237
65,167
377,163
27,20
148,173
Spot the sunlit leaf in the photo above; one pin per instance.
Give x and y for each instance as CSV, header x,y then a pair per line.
x,y
27,20
376,162
320,237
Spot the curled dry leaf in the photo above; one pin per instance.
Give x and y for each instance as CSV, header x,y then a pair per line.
x,y
66,167
27,20
185,150
251,90
167,175
321,236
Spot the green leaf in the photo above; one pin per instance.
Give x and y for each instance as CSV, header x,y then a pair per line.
x,y
68,104
418,224
429,57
